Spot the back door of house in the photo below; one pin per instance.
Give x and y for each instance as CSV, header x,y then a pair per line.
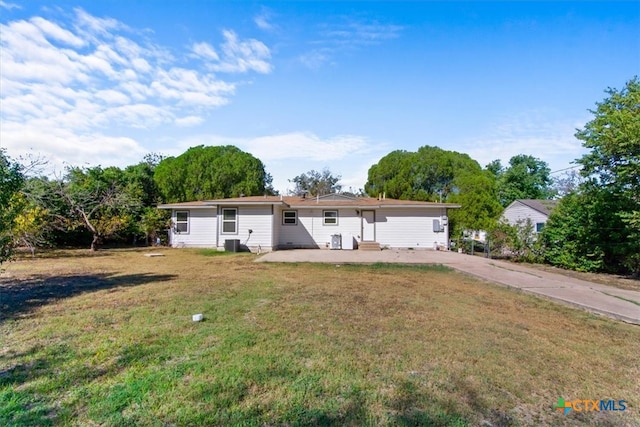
x,y
368,226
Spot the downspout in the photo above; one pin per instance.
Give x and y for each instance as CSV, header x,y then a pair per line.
x,y
446,230
217,226
170,233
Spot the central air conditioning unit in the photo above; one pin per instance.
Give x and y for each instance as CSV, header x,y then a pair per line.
x,y
232,245
336,241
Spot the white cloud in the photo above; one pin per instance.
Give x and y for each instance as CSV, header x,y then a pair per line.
x,y
54,31
315,58
9,6
74,89
305,146
113,97
205,50
96,26
349,34
264,20
240,56
359,32
188,121
61,147
538,133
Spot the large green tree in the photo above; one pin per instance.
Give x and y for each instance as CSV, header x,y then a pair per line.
x,y
11,181
598,226
526,177
427,174
211,172
434,174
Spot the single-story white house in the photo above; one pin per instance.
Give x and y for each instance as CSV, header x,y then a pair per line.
x,y
536,210
335,221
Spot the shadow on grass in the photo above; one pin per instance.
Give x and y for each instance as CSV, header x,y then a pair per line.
x,y
20,296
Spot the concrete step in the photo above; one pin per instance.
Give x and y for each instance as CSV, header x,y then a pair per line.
x,y
369,246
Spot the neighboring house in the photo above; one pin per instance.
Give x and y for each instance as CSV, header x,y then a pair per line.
x,y
537,211
264,223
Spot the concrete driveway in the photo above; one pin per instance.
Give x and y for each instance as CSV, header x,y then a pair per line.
x,y
606,300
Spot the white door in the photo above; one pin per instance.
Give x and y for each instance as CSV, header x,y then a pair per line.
x,y
368,226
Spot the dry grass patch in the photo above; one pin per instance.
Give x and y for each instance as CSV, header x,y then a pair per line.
x,y
109,340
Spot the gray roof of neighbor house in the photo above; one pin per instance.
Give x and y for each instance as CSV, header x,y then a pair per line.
x,y
540,205
300,202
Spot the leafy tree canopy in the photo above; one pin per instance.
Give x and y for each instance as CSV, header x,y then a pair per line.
x,y
434,174
427,174
139,179
613,136
477,196
211,172
597,227
316,183
100,200
11,181
585,233
526,177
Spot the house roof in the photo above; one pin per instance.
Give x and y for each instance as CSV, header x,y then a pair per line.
x,y
543,206
299,202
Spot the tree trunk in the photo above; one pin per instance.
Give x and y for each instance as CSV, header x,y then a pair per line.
x,y
94,243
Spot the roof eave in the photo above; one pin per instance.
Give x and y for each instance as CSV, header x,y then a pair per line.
x,y
379,206
208,205
252,203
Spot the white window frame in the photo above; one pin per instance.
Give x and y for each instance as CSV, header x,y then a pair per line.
x,y
325,218
180,222
284,217
539,226
224,221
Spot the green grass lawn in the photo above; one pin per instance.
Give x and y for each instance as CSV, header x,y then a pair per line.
x,y
107,339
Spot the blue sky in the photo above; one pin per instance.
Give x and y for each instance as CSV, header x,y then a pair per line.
x,y
307,85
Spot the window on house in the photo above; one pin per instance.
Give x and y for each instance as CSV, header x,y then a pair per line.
x,y
330,218
182,222
289,217
539,227
230,221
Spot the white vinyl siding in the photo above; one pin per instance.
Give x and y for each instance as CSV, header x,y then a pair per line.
x,y
202,229
311,231
520,212
258,219
394,227
410,228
